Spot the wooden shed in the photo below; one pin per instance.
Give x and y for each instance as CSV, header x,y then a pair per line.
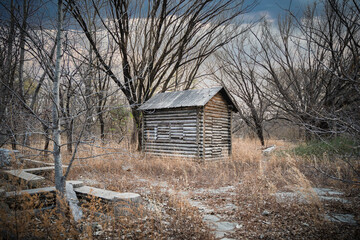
x,y
191,123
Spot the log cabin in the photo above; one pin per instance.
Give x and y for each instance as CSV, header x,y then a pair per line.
x,y
191,123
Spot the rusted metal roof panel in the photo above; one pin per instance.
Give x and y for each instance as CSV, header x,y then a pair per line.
x,y
187,98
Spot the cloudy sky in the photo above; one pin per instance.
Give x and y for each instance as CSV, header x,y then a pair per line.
x,y
269,8
272,8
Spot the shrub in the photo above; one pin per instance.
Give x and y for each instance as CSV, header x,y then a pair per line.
x,y
335,146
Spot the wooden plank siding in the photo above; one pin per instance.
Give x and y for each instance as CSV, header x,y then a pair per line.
x,y
173,132
217,121
199,132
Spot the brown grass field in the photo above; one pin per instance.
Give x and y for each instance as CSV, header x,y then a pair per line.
x,y
169,186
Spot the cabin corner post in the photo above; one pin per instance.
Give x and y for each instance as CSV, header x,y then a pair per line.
x,y
198,131
203,129
142,113
231,134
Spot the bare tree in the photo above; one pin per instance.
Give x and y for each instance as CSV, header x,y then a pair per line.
x,y
238,72
312,67
293,81
337,32
59,178
18,99
157,40
8,67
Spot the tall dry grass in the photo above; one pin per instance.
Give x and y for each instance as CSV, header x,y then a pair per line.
x,y
256,177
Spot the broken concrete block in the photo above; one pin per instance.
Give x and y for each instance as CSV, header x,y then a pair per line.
x,y
73,202
43,197
96,192
341,218
31,192
128,197
5,156
31,179
41,163
127,204
268,150
40,170
107,194
76,183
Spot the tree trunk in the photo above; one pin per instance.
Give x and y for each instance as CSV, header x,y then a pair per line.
x,y
88,97
260,134
22,50
102,126
136,136
47,138
69,122
26,140
59,179
12,139
7,78
69,135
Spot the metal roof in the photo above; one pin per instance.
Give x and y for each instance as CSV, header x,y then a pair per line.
x,y
187,98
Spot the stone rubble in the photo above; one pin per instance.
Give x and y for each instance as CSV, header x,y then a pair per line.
x,y
6,156
73,201
324,194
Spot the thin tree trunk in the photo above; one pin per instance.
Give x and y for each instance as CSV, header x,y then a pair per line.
x,y
26,140
11,38
136,136
102,126
260,134
22,50
69,131
88,80
68,120
13,140
8,78
59,180
47,138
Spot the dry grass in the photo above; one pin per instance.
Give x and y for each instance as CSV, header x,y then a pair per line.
x,y
255,178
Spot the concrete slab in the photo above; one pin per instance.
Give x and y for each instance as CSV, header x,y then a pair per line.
x,y
225,226
327,191
19,200
219,234
40,169
31,192
76,183
283,197
107,194
37,162
336,199
199,205
302,197
125,204
341,218
73,202
30,178
211,218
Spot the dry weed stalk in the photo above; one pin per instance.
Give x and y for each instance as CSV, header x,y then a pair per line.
x,y
257,178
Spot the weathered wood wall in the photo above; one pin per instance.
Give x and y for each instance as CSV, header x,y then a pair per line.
x,y
173,132
181,131
217,122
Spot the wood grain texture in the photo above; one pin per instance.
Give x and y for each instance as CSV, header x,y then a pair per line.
x,y
195,132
